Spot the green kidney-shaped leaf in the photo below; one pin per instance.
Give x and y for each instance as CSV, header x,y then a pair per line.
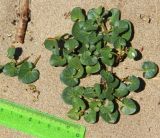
x,y
11,52
120,26
90,92
110,117
107,56
67,76
128,34
129,106
74,114
93,69
132,53
115,15
106,75
134,83
57,60
69,93
71,44
10,69
78,103
121,91
95,105
27,74
150,69
87,59
115,83
50,43
79,33
90,116
77,14
75,63
107,107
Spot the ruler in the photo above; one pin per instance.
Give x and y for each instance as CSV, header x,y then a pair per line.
x,y
36,123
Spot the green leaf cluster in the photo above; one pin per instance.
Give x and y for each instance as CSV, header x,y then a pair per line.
x,y
93,47
24,70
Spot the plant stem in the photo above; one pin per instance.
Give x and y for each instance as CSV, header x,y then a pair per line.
x,y
37,59
104,27
25,59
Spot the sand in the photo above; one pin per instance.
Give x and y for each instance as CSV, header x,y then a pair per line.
x,y
47,20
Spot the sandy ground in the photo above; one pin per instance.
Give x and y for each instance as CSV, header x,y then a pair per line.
x,y
48,20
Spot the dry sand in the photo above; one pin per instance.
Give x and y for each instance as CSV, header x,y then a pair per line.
x,y
48,20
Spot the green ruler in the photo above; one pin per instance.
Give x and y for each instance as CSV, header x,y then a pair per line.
x,y
36,123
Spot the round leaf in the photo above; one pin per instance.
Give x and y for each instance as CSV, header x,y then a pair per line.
x,y
93,69
87,59
128,34
107,107
71,44
50,43
121,91
78,103
57,60
90,116
132,53
129,106
150,69
134,83
110,117
27,74
67,76
115,15
74,114
95,105
69,93
10,69
106,75
11,52
77,14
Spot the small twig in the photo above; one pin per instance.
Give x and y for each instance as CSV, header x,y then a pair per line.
x,y
104,27
23,22
25,59
37,59
133,69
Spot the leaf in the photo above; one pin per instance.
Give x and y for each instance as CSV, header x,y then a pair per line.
x,y
90,25
69,93
94,14
132,53
67,76
115,15
77,14
50,43
10,69
107,56
27,74
110,117
90,92
71,44
76,64
115,83
150,69
87,59
94,38
80,34
127,35
106,75
90,116
95,105
121,91
78,103
120,26
97,88
74,114
129,106
93,69
109,93
11,52
57,60
107,107
134,83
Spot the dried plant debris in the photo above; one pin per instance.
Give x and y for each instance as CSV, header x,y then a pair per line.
x,y
94,48
23,21
145,18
